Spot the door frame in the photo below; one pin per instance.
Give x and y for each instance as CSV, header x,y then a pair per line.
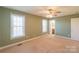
x,y
50,26
71,29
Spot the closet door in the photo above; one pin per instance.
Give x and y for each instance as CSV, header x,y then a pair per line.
x,y
75,28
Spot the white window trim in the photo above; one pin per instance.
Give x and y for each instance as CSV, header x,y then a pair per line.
x,y
45,27
11,28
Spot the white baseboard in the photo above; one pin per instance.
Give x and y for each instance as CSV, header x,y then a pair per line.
x,y
67,38
63,37
19,42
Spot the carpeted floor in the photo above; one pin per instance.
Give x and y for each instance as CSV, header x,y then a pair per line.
x,y
45,44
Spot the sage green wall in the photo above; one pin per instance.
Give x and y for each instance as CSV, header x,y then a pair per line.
x,y
0,28
63,25
33,26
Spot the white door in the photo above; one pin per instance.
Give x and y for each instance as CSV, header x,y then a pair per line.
x,y
75,28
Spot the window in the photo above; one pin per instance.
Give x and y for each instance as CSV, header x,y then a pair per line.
x,y
17,25
44,25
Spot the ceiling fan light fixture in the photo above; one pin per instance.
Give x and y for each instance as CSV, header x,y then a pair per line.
x,y
53,13
49,16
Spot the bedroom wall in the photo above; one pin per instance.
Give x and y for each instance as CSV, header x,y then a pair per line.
x,y
0,29
63,25
32,26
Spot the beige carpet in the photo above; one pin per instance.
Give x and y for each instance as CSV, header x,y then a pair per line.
x,y
45,44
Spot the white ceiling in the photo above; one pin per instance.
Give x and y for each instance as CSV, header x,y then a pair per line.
x,y
43,10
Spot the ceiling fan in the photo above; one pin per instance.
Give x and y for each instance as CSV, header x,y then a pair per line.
x,y
50,12
53,13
